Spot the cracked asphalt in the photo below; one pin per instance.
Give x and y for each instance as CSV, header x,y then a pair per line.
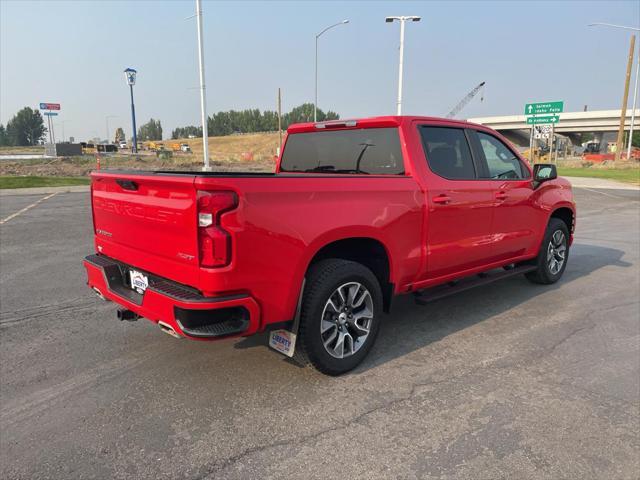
x,y
511,380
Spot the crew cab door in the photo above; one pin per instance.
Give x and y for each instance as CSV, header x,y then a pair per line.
x,y
515,218
459,206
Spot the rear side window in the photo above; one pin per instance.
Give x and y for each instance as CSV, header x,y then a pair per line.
x,y
502,162
369,150
448,153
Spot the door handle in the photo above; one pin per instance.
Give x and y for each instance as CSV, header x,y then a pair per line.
x,y
441,199
501,195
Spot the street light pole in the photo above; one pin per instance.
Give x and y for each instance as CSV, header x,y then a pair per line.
x,y
63,135
133,121
635,89
203,95
402,20
315,102
130,75
106,118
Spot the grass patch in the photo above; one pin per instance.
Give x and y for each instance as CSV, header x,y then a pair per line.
x,y
33,150
629,175
33,181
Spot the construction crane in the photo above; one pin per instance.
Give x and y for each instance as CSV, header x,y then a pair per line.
x,y
466,99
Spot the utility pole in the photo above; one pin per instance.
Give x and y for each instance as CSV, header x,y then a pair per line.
x,y
635,88
633,107
279,120
625,98
203,95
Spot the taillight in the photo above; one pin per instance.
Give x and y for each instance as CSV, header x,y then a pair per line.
x,y
214,241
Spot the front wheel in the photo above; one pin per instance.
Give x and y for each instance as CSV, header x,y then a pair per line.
x,y
340,316
554,253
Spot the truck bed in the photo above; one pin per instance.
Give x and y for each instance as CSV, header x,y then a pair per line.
x,y
149,220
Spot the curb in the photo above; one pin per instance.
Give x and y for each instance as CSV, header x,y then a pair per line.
x,y
43,190
587,182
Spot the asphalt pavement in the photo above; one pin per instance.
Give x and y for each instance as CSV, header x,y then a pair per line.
x,y
512,380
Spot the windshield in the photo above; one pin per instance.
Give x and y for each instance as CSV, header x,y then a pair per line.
x,y
365,151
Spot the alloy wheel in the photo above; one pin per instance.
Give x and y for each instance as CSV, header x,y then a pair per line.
x,y
346,319
556,252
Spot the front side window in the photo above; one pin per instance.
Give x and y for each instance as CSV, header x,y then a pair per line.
x,y
448,153
502,162
369,151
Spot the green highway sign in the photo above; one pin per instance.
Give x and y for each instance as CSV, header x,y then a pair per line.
x,y
543,120
543,108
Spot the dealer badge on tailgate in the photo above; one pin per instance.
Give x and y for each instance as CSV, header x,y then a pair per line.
x,y
139,282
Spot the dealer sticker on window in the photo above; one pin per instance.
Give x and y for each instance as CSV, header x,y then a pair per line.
x,y
139,282
283,341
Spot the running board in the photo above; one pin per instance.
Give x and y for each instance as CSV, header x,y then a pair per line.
x,y
429,295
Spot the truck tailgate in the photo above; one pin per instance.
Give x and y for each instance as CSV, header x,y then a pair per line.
x,y
148,221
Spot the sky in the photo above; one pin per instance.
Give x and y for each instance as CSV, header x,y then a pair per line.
x,y
74,53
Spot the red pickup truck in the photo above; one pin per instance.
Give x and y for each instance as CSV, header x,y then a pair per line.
x,y
357,212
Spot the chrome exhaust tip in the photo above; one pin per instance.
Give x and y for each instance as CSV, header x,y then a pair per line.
x,y
168,329
99,294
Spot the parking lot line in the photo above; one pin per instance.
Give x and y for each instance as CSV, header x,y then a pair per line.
x,y
28,207
598,191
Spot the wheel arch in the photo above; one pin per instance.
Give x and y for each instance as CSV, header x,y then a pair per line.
x,y
567,215
366,250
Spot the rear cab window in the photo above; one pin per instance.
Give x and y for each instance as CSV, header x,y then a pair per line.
x,y
374,151
448,152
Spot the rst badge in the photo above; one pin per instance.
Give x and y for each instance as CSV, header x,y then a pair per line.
x,y
283,341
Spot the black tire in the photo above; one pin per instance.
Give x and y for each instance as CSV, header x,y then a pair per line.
x,y
543,274
323,280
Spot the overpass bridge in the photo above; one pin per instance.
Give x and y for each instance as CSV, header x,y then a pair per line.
x,y
603,124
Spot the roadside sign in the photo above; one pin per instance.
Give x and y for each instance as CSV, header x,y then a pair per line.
x,y
542,131
543,108
51,114
543,120
49,106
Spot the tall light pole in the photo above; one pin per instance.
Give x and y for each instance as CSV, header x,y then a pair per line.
x,y
106,119
62,122
130,75
402,19
315,102
203,94
635,86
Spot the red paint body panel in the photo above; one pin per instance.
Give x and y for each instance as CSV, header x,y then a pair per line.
x,y
281,221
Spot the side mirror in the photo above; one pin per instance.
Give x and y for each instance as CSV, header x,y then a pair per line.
x,y
543,172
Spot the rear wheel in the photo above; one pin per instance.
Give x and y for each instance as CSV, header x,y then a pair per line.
x,y
340,316
554,253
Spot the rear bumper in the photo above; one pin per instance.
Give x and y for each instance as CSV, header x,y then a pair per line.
x,y
188,312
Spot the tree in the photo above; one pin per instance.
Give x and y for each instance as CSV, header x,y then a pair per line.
x,y
304,113
253,120
25,128
152,130
185,132
119,137
635,139
4,139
